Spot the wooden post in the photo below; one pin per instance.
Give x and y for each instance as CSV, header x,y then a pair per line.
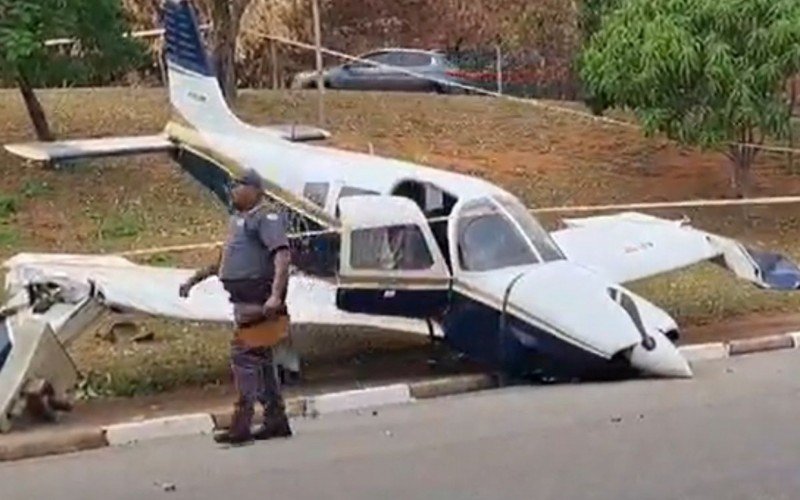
x,y
318,45
273,48
499,66
162,64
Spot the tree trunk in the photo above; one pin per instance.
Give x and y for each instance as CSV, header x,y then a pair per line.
x,y
742,158
792,104
226,18
35,111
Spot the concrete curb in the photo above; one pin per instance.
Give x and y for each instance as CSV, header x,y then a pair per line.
x,y
54,443
722,350
704,352
427,389
72,440
372,397
155,428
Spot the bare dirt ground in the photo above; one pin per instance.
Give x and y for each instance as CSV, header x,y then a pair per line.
x,y
546,158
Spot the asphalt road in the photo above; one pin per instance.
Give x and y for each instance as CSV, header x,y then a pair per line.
x,y
731,433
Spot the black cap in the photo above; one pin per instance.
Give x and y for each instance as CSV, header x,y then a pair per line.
x,y
250,178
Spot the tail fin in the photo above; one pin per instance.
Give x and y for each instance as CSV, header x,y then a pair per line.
x,y
194,91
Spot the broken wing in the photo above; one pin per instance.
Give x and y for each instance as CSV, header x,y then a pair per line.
x,y
631,246
124,286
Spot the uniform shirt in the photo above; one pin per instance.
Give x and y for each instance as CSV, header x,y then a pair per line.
x,y
247,268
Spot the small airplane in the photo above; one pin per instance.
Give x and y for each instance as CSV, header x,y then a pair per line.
x,y
394,239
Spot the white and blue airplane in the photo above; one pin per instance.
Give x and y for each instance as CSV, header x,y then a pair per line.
x,y
459,254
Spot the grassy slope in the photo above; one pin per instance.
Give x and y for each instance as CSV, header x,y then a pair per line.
x,y
547,159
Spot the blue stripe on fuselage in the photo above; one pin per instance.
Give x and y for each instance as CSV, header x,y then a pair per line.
x,y
474,329
5,342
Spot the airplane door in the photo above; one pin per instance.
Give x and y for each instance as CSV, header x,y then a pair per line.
x,y
389,262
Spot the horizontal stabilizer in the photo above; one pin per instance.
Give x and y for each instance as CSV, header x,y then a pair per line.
x,y
299,133
91,148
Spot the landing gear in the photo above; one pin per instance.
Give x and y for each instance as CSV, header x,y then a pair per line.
x,y
41,401
440,358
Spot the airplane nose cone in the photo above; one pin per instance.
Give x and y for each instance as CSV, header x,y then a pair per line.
x,y
583,308
664,360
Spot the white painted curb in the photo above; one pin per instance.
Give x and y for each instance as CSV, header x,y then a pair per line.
x,y
796,337
704,352
179,425
358,399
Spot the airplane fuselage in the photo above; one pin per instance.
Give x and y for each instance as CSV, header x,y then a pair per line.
x,y
505,293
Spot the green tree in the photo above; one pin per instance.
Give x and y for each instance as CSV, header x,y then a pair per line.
x,y
704,72
99,54
591,12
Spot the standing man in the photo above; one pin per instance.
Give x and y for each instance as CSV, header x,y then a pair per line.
x,y
254,269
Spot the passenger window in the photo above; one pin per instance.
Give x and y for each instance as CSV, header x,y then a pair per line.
x,y
411,59
375,57
390,248
316,192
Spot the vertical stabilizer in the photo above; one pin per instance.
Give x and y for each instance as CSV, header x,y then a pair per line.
x,y
194,91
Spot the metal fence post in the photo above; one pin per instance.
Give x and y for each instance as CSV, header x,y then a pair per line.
x,y
499,68
320,82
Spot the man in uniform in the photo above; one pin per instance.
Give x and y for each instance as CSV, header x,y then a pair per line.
x,y
254,269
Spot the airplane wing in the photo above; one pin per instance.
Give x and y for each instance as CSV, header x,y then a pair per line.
x,y
80,149
153,291
632,246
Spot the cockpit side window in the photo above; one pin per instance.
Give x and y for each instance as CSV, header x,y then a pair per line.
x,y
541,239
487,239
316,192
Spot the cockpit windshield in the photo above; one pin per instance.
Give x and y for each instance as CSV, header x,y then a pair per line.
x,y
487,239
500,232
541,239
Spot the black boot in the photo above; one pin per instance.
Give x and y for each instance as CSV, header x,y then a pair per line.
x,y
274,427
239,432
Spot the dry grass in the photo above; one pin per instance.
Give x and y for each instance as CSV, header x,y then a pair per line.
x,y
547,159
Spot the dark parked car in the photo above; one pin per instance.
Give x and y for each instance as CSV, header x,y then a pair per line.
x,y
365,76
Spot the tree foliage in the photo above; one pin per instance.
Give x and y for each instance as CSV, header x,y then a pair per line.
x,y
705,72
100,53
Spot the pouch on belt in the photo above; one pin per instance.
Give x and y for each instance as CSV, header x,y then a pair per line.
x,y
263,332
